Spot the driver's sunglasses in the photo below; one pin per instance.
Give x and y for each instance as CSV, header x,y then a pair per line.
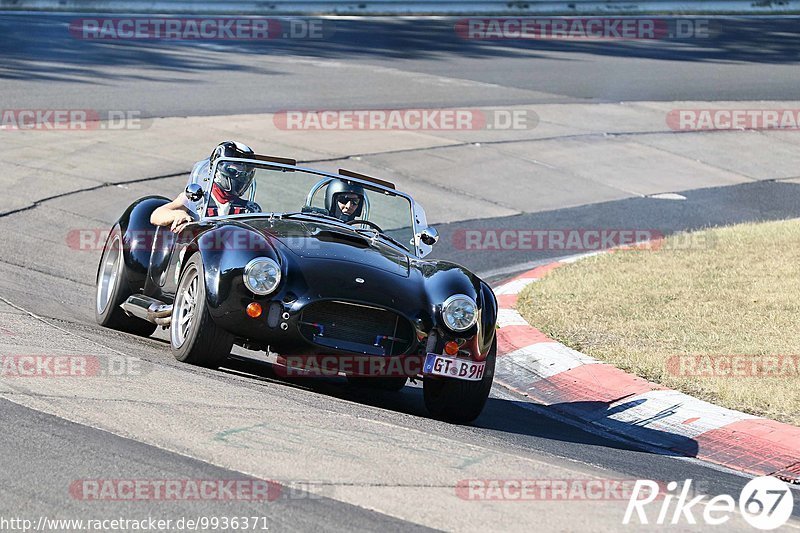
x,y
235,171
355,200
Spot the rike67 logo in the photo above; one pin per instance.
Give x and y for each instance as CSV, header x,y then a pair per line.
x,y
766,503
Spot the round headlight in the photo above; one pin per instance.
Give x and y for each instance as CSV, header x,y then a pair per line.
x,y
459,312
262,275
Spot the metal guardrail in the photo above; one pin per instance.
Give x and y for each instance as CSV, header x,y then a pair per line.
x,y
400,7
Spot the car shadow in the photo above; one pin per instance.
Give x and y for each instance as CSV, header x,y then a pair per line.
x,y
599,417
503,414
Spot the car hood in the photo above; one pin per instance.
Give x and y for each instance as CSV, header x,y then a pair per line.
x,y
309,240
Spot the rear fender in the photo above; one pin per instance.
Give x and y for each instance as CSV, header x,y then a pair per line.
x,y
137,238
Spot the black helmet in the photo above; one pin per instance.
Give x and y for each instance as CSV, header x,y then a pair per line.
x,y
232,177
338,188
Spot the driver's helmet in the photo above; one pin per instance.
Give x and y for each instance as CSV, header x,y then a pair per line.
x,y
232,178
339,190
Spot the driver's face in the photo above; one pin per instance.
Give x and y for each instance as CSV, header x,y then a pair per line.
x,y
234,177
348,203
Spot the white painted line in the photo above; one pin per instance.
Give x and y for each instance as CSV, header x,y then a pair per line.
x,y
667,196
530,265
519,268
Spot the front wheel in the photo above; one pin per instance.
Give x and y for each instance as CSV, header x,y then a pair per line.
x,y
460,401
194,336
112,289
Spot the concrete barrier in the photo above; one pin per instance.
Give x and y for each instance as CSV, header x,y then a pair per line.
x,y
401,7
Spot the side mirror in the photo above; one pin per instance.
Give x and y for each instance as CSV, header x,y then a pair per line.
x,y
429,236
194,192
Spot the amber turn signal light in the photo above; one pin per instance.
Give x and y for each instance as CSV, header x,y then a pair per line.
x,y
451,348
254,309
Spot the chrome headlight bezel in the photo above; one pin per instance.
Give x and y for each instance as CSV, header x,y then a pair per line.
x,y
457,299
261,263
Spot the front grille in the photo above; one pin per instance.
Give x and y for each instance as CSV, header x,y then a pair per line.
x,y
370,328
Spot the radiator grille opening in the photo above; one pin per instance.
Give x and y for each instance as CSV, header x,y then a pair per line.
x,y
370,328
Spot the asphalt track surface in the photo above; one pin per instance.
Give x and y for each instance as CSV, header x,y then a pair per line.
x,y
382,63
42,454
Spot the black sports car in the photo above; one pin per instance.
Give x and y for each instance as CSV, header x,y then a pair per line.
x,y
291,275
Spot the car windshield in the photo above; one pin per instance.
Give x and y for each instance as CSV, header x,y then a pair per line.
x,y
277,190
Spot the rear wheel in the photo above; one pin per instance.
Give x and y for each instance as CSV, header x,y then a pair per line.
x,y
112,289
456,400
194,336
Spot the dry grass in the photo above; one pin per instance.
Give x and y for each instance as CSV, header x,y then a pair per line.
x,y
739,294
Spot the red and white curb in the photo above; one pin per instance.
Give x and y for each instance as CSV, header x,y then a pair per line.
x,y
593,394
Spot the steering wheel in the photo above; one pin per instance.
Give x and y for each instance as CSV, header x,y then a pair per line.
x,y
252,207
365,222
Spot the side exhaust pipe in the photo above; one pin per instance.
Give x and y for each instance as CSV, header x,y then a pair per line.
x,y
149,309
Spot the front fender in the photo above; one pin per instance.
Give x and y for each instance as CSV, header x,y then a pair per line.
x,y
444,279
225,251
488,320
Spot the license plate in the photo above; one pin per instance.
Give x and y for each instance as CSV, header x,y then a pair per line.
x,y
451,367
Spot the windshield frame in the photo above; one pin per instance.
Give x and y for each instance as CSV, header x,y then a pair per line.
x,y
371,185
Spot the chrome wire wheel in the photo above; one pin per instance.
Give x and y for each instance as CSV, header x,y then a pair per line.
x,y
108,274
183,315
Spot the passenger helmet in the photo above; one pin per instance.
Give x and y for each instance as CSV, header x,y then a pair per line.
x,y
232,177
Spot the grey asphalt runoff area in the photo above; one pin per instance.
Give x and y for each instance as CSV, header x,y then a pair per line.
x,y
349,459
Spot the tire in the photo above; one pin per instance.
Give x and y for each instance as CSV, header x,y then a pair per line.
x,y
112,289
460,401
197,340
394,384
